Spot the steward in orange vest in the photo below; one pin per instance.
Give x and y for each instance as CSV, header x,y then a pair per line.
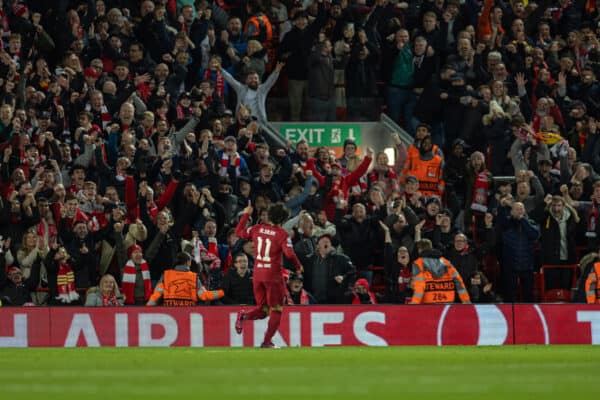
x,y
258,26
428,168
435,280
181,287
412,152
592,291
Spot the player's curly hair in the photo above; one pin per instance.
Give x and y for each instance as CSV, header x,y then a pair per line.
x,y
278,214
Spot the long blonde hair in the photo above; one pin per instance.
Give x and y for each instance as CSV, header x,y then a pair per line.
x,y
353,162
109,277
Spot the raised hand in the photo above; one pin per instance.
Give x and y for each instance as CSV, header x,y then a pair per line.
x,y
383,226
520,79
249,209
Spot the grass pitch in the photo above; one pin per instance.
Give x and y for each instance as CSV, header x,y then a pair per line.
x,y
510,372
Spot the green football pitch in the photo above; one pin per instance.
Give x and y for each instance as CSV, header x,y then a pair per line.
x,y
510,372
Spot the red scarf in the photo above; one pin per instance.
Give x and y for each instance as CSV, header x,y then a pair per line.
x,y
204,256
404,278
153,209
183,112
65,284
52,232
128,284
79,216
592,221
104,115
219,81
359,189
110,301
144,91
480,192
304,299
225,164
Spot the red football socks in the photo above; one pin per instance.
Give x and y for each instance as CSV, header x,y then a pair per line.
x,y
274,320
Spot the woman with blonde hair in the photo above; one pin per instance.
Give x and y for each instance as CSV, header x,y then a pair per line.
x,y
106,294
31,248
384,173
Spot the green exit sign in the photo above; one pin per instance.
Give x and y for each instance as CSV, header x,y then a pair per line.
x,y
327,135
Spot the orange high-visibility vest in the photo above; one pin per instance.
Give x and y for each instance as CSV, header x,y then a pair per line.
x,y
412,153
592,291
430,290
429,173
180,288
263,27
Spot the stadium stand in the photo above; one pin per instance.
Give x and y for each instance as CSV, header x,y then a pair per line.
x,y
150,124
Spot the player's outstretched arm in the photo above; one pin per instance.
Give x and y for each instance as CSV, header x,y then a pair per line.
x,y
240,229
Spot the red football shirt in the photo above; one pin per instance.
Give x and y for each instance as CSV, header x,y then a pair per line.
x,y
270,243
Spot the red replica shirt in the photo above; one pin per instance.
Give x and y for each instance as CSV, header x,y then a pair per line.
x,y
270,243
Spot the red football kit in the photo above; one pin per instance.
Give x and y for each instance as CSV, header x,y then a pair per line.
x,y
270,244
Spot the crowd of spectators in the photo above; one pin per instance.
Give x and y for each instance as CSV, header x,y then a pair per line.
x,y
132,131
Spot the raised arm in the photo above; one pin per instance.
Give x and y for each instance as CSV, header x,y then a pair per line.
x,y
355,175
237,86
240,229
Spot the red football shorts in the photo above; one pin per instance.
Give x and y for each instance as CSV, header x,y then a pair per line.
x,y
269,293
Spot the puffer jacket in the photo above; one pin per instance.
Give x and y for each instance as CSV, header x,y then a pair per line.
x,y
518,240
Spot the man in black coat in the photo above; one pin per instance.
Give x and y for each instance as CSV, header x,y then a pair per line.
x,y
83,255
359,232
295,49
14,290
328,274
237,284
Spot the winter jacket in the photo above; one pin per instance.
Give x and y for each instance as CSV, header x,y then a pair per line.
x,y
320,76
550,238
320,273
296,45
518,239
397,277
359,239
238,289
398,67
17,295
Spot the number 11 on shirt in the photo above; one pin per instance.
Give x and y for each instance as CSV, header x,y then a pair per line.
x,y
263,256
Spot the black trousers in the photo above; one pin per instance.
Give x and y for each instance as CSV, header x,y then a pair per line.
x,y
511,280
